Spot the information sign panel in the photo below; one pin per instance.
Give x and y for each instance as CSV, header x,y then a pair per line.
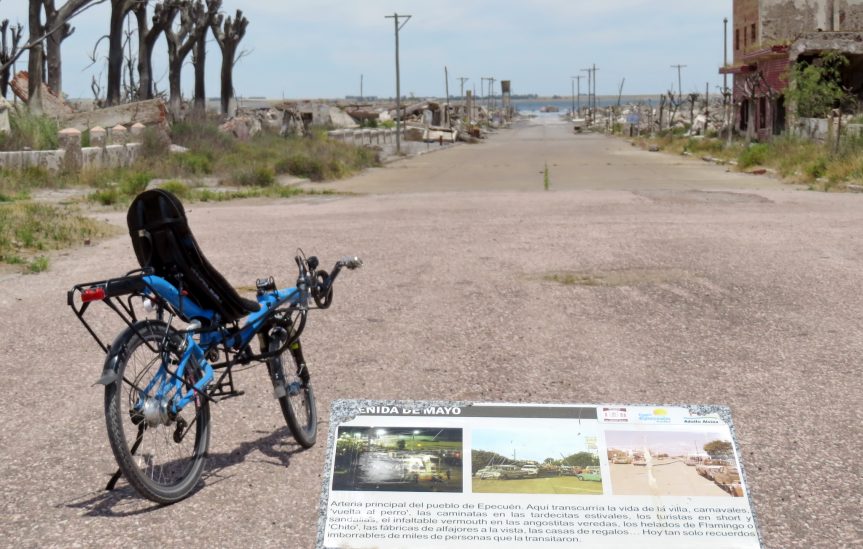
x,y
462,475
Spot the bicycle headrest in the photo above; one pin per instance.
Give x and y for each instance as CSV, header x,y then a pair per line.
x,y
164,243
150,211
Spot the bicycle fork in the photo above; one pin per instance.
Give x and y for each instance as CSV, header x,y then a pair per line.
x,y
276,366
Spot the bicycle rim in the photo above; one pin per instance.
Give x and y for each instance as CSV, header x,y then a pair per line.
x,y
163,461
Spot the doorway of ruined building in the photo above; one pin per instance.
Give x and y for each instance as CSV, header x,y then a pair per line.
x,y
852,80
779,115
744,115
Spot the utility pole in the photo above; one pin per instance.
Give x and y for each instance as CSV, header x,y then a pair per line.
x,y
589,102
361,88
726,113
578,92
395,18
572,81
490,102
446,85
462,80
595,100
679,82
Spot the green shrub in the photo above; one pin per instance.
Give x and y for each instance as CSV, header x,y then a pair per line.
x,y
38,265
134,183
754,155
301,165
176,187
154,143
106,197
816,169
202,136
254,176
194,163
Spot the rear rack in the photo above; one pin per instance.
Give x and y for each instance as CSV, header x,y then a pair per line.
x,y
111,293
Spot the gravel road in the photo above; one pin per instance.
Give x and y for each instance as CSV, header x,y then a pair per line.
x,y
689,285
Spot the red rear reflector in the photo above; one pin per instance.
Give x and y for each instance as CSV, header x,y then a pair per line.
x,y
93,294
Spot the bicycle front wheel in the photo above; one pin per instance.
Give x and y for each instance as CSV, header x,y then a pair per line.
x,y
162,457
298,403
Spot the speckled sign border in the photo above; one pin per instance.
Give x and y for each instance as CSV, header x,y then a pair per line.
x,y
342,411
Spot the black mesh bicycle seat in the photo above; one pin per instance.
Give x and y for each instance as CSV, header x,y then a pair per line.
x,y
163,242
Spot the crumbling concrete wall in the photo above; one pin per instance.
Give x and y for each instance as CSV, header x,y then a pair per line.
x,y
785,20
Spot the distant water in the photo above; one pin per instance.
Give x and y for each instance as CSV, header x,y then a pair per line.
x,y
531,106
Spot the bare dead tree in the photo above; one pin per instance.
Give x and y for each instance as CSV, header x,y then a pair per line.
x,y
130,86
10,38
163,17
38,33
199,56
673,105
57,20
34,63
228,33
181,40
96,89
119,10
692,97
662,101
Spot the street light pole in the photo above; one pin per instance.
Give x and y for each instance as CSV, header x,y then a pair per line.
x,y
395,18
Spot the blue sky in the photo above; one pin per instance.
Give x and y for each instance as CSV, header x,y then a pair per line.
x,y
532,444
304,48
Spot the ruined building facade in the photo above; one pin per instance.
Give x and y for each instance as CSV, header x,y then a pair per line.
x,y
767,36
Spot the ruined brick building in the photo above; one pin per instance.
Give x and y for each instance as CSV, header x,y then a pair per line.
x,y
767,36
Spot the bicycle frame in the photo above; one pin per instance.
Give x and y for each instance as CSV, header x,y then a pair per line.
x,y
234,340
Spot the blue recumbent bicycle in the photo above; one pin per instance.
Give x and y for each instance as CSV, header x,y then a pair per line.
x,y
160,379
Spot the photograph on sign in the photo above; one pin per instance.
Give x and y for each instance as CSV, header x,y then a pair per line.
x,y
534,460
673,463
410,459
420,475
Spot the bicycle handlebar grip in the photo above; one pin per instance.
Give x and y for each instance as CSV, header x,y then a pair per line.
x,y
351,262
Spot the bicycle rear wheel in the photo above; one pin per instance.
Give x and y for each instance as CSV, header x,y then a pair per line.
x,y
298,402
160,456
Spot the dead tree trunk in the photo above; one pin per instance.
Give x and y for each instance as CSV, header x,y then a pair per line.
x,y
59,29
693,97
8,35
228,33
163,17
199,57
662,101
119,10
180,44
34,65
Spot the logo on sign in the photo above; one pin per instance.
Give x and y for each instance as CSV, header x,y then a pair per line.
x,y
657,415
614,415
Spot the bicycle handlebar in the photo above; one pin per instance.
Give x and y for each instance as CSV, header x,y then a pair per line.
x,y
318,281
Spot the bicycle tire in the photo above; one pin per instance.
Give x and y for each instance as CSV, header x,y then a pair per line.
x,y
159,467
298,403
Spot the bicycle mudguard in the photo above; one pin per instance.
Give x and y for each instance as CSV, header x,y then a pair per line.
x,y
109,370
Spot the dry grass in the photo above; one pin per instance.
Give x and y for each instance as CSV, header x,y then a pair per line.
x,y
27,230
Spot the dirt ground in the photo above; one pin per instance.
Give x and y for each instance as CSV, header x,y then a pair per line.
x,y
637,278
